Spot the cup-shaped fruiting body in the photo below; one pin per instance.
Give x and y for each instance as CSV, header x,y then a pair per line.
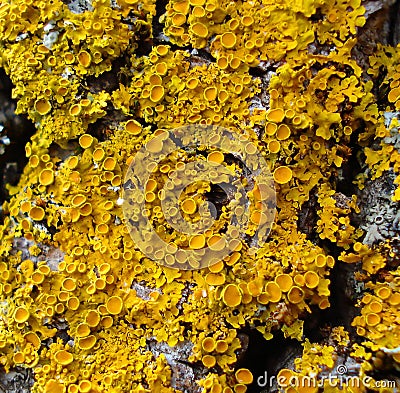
x,y
200,29
197,241
198,11
271,128
197,3
21,315
231,295
19,357
234,257
114,305
178,19
274,146
150,197
104,268
240,388
42,106
63,296
107,321
69,284
228,40
217,267
295,295
46,177
243,375
75,109
189,206
87,343
311,279
34,161
216,157
78,199
383,292
133,127
92,318
210,93
98,154
299,280
86,141
37,213
100,283
85,386
208,344
156,93
283,132
86,209
276,115
283,174
284,282
223,62
84,58
192,83
102,229
51,299
320,260
274,291
59,308
375,307
82,330
109,164
221,346
367,298
208,361
235,62
372,319
161,68
285,376
151,185
63,357
73,303
289,113
75,177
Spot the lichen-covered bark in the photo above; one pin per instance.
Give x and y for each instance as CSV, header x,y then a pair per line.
x,y
314,85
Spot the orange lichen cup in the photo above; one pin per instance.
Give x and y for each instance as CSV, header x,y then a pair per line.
x,y
231,295
208,361
63,357
21,315
295,295
311,279
42,106
208,344
283,174
274,291
114,305
46,177
200,29
243,375
284,281
276,115
228,40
